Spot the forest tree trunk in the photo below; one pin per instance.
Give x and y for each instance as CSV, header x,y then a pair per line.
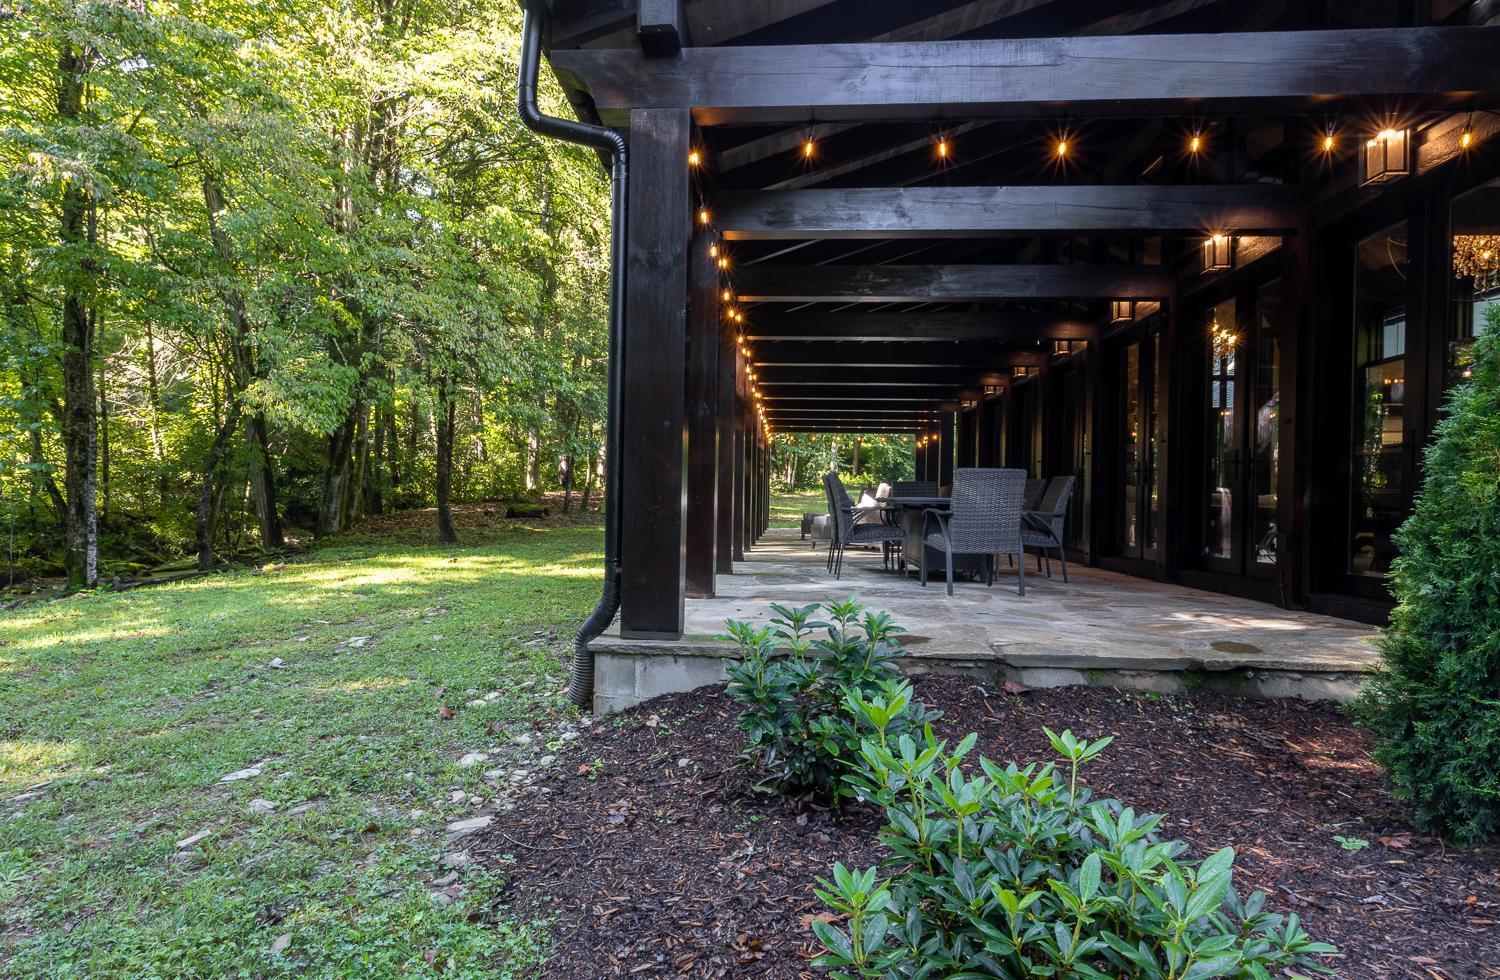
x,y
446,416
78,419
203,529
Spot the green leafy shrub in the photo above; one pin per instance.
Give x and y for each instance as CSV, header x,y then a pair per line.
x,y
1018,873
794,687
1433,708
527,510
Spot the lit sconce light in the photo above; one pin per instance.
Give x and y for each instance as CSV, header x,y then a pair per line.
x,y
1121,310
807,149
1218,252
703,216
967,403
992,389
942,148
1385,157
694,158
1223,339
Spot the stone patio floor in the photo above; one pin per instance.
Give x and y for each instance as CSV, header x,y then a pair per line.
x,y
1100,628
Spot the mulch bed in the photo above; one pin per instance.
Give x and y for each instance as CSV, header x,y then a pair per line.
x,y
652,857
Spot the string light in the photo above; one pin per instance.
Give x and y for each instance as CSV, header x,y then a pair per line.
x,y
1466,138
703,216
727,293
1328,142
807,150
1062,148
694,158
713,250
1195,144
723,262
942,148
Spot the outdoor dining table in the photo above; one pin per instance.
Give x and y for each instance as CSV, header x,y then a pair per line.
x,y
908,511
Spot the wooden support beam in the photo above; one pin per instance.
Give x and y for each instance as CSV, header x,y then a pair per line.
x,y
727,421
894,377
844,387
945,451
653,478
879,403
957,354
837,427
703,332
1266,72
987,212
930,283
771,325
661,27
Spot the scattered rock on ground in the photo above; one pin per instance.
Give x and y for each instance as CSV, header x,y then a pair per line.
x,y
249,772
460,828
260,806
188,842
472,759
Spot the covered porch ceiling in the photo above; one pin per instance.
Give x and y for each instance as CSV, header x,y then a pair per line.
x,y
913,203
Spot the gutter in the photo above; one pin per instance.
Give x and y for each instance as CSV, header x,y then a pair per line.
x,y
606,141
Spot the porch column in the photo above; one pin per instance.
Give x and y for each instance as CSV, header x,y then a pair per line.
x,y
963,454
916,456
653,486
725,550
945,450
702,418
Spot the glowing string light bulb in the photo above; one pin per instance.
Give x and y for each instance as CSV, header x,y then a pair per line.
x,y
1466,138
1328,143
807,150
694,158
1062,149
942,148
1195,144
703,216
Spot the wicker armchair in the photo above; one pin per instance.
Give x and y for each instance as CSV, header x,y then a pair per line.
x,y
985,520
846,532
1043,528
914,488
1034,491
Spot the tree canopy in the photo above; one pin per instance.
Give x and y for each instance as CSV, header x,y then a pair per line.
x,y
271,262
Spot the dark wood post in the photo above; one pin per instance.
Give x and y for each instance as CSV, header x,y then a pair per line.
x,y
702,418
965,452
726,418
945,450
653,479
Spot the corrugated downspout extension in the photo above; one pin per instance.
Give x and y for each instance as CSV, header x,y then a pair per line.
x,y
605,140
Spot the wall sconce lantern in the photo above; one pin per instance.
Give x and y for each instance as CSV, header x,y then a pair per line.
x,y
1121,310
1218,253
1384,157
992,389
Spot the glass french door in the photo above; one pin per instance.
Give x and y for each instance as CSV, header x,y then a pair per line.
x,y
1137,392
1243,451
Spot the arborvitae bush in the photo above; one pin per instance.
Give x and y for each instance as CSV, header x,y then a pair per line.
x,y
1435,707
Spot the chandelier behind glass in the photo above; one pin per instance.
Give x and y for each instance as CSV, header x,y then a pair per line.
x,y
1477,257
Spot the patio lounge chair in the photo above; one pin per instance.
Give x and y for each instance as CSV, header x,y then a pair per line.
x,y
1043,528
847,532
984,520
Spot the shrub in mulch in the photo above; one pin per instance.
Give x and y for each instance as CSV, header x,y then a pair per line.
x,y
653,856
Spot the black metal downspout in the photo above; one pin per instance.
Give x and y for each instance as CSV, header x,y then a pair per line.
x,y
581,680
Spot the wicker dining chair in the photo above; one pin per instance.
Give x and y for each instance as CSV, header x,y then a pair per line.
x,y
833,522
846,532
984,519
914,488
1034,491
1043,528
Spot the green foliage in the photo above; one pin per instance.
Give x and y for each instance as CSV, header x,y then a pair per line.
x,y
794,688
326,214
1433,707
799,460
1018,872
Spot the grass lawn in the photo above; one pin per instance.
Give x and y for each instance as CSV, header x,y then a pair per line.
x,y
787,508
329,677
